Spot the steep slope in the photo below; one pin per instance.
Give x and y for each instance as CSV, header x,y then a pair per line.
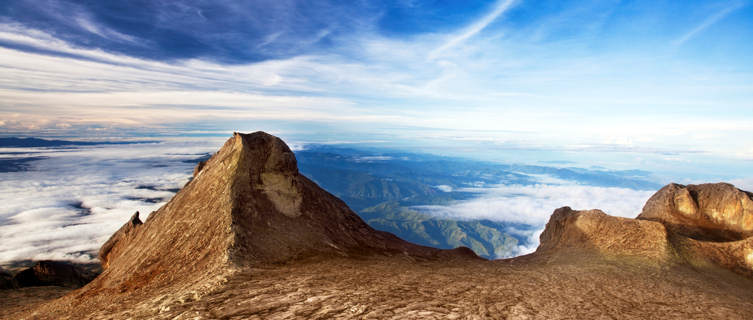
x,y
247,205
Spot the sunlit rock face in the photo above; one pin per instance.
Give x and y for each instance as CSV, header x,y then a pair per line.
x,y
707,226
714,211
594,230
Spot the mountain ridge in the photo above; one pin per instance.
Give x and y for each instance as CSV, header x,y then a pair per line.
x,y
250,237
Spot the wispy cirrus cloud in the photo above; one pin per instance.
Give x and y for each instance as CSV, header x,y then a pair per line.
x,y
499,8
708,22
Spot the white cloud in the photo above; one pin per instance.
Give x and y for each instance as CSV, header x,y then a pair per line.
x,y
72,201
532,205
540,98
711,20
444,188
499,8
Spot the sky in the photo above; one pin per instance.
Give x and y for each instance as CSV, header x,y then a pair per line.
x,y
662,76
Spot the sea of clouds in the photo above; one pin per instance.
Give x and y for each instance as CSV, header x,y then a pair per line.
x,y
532,205
68,203
71,200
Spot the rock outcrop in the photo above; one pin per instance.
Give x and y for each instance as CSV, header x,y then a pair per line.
x,y
706,226
6,280
249,237
52,273
118,240
248,205
595,231
714,211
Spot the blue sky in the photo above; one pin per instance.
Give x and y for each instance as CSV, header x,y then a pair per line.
x,y
658,77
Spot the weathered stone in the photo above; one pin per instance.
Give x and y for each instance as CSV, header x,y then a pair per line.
x,y
119,239
596,231
714,211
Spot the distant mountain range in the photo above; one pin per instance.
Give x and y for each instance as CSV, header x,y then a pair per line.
x,y
383,187
15,142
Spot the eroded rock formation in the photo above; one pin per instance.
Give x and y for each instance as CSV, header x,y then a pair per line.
x,y
118,240
247,205
52,273
706,226
594,230
714,211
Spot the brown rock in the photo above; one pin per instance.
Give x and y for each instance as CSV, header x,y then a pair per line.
x,y
52,273
247,206
714,211
198,168
118,240
597,232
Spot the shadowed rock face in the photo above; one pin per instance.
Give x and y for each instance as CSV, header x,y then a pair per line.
x,y
714,211
52,273
6,279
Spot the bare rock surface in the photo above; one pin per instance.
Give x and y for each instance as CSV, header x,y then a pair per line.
x,y
251,238
381,287
594,230
118,240
713,211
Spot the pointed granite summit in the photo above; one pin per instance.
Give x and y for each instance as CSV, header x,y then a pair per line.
x,y
247,205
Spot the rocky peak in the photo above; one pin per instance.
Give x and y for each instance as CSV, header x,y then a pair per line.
x,y
713,211
247,205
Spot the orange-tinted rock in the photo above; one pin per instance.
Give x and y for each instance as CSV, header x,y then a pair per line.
x,y
714,211
593,230
118,240
247,205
